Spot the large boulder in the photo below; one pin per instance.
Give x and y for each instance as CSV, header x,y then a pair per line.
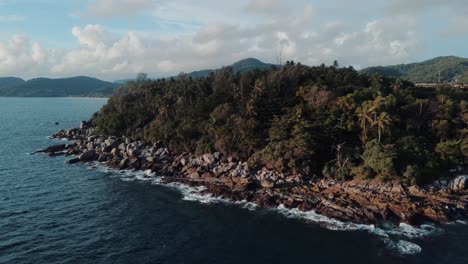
x,y
267,184
459,183
209,158
83,124
73,161
102,157
133,152
87,156
111,142
54,148
123,163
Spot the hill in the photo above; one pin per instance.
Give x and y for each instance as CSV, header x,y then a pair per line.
x,y
8,81
326,121
63,87
451,68
241,66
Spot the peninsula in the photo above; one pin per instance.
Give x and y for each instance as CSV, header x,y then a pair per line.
x,y
355,147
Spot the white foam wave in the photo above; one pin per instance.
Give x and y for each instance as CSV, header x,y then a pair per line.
x,y
406,248
390,235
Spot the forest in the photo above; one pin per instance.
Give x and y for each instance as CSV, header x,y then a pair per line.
x,y
322,121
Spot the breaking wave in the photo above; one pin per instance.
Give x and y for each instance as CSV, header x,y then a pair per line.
x,y
394,237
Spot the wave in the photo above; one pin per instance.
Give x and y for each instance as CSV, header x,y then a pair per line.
x,y
394,237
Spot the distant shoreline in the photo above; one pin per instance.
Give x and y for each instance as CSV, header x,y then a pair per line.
x,y
356,201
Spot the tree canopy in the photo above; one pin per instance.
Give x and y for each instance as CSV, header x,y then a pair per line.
x,y
323,121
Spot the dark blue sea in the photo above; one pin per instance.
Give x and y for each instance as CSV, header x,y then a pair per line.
x,y
51,212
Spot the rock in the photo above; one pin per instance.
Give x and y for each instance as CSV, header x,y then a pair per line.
x,y
109,142
207,175
133,152
191,170
102,158
459,183
123,163
149,159
208,158
194,175
114,151
56,154
87,156
128,141
51,149
83,124
122,146
134,163
267,184
73,161
183,161
90,146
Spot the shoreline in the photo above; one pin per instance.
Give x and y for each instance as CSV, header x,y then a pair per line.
x,y
357,201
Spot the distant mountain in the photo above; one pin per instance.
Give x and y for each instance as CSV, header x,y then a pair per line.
x,y
8,81
451,68
244,65
64,87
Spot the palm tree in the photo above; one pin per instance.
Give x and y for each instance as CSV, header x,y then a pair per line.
x,y
397,85
377,82
364,114
381,122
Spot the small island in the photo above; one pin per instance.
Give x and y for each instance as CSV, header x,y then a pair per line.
x,y
347,145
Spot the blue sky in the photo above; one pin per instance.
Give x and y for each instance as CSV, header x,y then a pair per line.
x,y
114,39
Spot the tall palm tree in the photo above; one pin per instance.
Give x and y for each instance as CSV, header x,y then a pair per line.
x,y
381,122
397,85
377,82
364,114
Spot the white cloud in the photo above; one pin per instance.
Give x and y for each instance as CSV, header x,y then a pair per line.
x,y
220,38
92,35
19,55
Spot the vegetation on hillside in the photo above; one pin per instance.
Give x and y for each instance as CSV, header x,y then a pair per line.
x,y
323,121
45,87
451,68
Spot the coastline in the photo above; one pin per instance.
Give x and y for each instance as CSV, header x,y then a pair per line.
x,y
357,201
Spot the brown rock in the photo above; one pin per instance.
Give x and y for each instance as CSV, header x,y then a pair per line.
x,y
267,184
209,158
123,163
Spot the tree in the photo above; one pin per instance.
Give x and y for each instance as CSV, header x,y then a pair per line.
x,y
381,122
396,86
335,64
377,83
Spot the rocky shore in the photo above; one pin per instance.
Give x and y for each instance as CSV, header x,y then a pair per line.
x,y
358,201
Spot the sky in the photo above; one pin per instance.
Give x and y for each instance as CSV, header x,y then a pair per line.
x,y
116,39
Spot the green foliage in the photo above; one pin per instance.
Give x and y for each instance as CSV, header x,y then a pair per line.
x,y
311,120
378,161
451,69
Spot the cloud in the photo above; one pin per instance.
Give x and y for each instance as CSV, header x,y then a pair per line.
x,y
116,8
92,35
214,41
20,55
12,18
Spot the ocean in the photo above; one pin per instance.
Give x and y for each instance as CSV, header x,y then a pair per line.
x,y
52,212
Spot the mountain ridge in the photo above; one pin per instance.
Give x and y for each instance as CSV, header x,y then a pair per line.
x,y
79,86
451,69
